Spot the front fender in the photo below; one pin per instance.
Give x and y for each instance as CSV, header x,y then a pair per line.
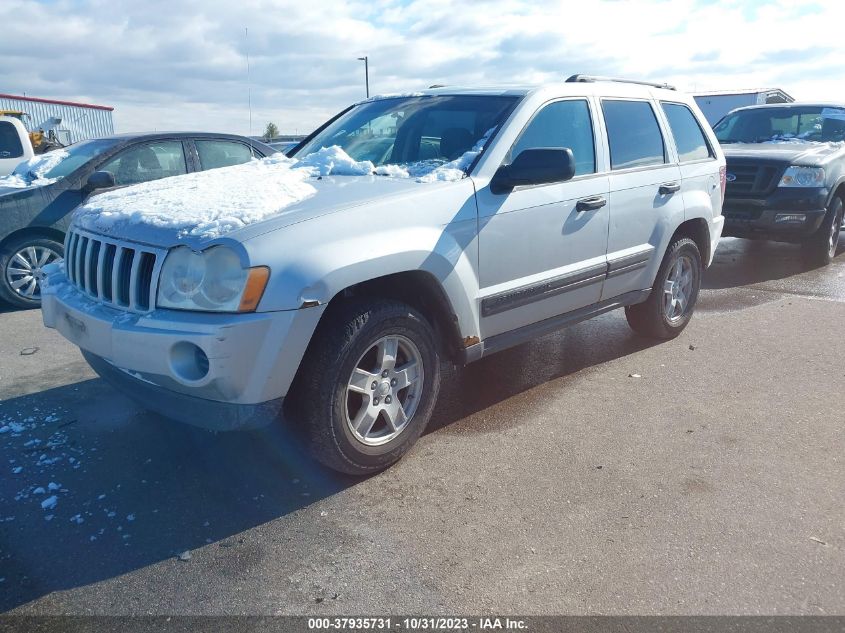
x,y
313,261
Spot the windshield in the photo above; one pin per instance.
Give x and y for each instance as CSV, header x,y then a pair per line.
x,y
798,124
47,168
77,155
426,131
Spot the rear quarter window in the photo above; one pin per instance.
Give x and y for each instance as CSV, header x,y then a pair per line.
x,y
10,142
633,134
689,137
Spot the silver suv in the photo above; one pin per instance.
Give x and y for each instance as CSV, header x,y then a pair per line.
x,y
409,229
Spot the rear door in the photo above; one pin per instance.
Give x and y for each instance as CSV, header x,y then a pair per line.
x,y
541,253
215,153
697,160
645,194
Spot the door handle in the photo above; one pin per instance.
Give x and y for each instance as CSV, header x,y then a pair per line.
x,y
668,188
591,204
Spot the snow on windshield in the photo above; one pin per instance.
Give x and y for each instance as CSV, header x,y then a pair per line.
x,y
211,203
31,173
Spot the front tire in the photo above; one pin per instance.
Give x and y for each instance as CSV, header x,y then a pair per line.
x,y
820,248
367,386
669,307
21,269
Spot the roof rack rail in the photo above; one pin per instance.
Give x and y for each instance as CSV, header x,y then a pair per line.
x,y
591,78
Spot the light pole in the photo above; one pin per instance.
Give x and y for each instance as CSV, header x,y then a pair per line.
x,y
366,61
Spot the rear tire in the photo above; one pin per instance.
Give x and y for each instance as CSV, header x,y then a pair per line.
x,y
669,307
820,248
21,263
367,385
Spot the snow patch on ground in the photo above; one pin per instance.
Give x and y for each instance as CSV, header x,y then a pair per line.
x,y
31,173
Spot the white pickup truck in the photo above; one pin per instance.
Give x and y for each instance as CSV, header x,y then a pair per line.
x,y
15,146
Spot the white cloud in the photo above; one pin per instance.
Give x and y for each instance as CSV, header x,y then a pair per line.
x,y
182,64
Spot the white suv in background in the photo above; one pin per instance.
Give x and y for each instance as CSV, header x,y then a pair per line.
x,y
451,223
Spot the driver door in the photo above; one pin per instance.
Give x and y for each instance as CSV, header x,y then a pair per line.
x,y
543,248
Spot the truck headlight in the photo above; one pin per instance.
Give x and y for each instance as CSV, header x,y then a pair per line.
x,y
212,281
802,177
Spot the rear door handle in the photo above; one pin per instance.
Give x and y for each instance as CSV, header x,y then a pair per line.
x,y
668,188
591,204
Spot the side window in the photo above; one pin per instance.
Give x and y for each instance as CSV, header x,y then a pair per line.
x,y
561,124
10,143
633,134
148,161
214,154
689,139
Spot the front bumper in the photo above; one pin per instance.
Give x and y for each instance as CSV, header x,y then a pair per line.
x,y
217,371
758,217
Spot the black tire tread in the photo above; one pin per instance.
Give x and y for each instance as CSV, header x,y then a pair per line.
x,y
647,318
312,399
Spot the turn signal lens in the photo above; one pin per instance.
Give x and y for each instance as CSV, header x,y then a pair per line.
x,y
256,282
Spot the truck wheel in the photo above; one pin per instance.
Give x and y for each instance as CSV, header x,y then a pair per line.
x,y
820,248
669,307
367,385
21,264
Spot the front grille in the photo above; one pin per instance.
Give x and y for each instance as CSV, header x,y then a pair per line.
x,y
120,274
752,180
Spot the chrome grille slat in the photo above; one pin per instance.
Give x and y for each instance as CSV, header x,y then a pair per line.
x,y
133,280
101,260
120,274
86,266
80,256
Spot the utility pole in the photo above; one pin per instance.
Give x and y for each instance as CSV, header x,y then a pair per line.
x,y
366,61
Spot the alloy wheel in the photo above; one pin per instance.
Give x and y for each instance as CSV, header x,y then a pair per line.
x,y
678,288
384,390
24,271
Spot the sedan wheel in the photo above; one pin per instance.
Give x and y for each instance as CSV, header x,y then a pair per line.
x,y
22,269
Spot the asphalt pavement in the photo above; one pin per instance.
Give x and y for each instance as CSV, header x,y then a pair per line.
x,y
588,472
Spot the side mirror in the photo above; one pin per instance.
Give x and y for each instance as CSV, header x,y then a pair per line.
x,y
538,166
100,180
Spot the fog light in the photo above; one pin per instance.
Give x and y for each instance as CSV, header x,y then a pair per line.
x,y
189,361
790,217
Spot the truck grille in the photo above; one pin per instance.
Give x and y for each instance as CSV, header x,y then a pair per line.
x,y
121,274
752,180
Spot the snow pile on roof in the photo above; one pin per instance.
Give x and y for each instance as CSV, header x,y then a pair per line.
x,y
31,173
206,204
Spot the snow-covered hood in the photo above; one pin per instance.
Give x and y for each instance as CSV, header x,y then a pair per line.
x,y
31,173
263,195
792,152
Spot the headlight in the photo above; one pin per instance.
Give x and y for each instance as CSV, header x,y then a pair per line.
x,y
211,281
803,177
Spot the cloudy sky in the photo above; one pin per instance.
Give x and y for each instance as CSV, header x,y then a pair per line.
x,y
183,64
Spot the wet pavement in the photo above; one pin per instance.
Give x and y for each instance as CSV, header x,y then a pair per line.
x,y
591,471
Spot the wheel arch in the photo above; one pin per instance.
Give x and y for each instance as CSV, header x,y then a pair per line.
x,y
422,291
36,232
698,231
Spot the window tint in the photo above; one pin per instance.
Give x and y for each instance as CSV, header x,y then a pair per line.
x,y
149,161
633,134
689,138
562,124
10,143
214,154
